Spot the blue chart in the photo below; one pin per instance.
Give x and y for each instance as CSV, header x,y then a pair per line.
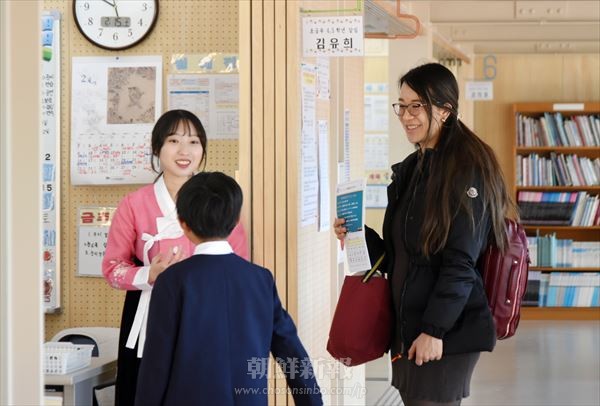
x,y
349,207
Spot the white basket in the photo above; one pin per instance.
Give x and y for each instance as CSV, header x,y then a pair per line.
x,y
64,358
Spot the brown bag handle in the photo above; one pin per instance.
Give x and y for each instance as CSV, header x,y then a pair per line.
x,y
371,272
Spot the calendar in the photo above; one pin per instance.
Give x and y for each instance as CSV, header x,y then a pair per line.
x,y
115,102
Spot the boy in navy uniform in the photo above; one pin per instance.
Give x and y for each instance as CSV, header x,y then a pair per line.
x,y
214,316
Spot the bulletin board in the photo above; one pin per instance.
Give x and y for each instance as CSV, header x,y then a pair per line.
x,y
183,26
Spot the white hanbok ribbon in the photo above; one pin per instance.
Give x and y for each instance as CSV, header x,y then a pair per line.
x,y
168,228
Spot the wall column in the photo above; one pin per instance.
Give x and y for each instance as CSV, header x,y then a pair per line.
x,y
21,322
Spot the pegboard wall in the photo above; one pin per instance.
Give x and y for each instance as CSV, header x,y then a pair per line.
x,y
183,26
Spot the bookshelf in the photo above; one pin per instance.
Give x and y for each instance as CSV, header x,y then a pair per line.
x,y
542,152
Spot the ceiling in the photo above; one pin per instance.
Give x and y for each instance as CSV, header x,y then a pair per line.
x,y
495,26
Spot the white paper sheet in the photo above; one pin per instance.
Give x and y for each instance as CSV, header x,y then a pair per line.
x,y
333,36
309,166
93,224
324,198
323,78
376,197
345,172
377,111
376,152
213,98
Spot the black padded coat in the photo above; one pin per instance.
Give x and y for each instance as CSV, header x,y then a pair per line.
x,y
443,294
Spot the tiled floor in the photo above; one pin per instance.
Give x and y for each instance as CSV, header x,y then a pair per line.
x,y
547,363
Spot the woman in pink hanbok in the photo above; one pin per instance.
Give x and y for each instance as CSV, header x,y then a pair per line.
x,y
145,237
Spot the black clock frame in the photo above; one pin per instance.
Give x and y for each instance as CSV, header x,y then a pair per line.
x,y
146,34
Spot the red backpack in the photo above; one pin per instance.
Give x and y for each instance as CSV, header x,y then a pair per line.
x,y
505,279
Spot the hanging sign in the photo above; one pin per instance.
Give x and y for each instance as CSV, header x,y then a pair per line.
x,y
479,90
332,36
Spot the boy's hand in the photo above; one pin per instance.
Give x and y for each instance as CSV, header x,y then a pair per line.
x,y
340,230
159,263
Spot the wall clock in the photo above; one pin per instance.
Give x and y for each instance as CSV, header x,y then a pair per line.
x,y
115,24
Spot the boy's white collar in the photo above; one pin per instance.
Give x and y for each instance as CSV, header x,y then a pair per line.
x,y
213,248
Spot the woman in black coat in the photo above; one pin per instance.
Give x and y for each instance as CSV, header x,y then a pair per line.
x,y
447,200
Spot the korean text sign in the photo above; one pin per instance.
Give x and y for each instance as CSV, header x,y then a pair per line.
x,y
332,36
93,224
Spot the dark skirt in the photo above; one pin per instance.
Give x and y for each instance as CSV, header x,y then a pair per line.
x,y
128,364
446,380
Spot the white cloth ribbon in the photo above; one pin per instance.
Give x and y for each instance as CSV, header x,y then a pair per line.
x,y
168,228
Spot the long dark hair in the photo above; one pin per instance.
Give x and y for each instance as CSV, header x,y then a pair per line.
x,y
167,125
460,154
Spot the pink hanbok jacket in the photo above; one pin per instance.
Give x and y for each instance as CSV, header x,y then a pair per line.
x,y
144,224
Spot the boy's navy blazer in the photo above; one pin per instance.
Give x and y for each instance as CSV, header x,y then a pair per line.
x,y
212,322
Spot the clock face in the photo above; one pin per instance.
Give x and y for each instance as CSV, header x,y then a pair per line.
x,y
115,24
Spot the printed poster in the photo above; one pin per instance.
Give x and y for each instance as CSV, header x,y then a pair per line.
x,y
213,98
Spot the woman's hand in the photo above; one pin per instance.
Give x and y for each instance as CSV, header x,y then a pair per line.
x,y
425,348
160,263
340,230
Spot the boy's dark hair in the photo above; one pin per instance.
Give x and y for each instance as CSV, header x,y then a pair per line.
x,y
210,204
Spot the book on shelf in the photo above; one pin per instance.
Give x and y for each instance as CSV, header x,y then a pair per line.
x,y
554,130
573,289
547,247
585,254
532,292
543,291
546,208
559,208
561,129
549,251
533,250
557,170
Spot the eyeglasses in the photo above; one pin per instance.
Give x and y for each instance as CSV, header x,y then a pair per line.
x,y
413,108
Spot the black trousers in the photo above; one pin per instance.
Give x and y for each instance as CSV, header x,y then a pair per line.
x,y
128,364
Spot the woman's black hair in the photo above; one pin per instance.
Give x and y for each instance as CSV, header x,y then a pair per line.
x,y
167,125
460,156
210,204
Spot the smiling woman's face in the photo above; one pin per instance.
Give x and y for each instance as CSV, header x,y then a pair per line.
x,y
416,121
181,153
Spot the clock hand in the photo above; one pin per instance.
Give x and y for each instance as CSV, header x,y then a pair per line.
x,y
115,6
110,4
